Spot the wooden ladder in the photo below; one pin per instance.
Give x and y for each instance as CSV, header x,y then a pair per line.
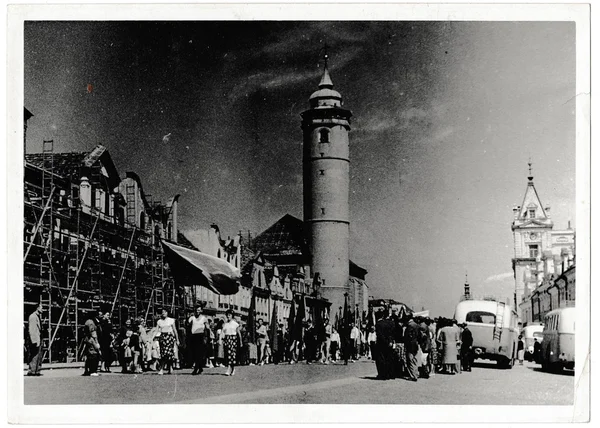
x,y
499,320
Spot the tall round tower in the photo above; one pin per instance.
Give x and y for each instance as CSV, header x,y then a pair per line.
x,y
326,179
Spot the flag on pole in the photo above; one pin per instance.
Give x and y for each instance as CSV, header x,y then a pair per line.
x,y
273,332
291,319
251,323
347,314
190,267
299,321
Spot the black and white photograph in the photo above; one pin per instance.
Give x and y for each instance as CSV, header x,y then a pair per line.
x,y
383,205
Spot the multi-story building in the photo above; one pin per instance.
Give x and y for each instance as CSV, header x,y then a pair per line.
x,y
92,242
281,264
541,253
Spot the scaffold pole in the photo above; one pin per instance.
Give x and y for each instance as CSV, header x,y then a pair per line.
x,y
112,308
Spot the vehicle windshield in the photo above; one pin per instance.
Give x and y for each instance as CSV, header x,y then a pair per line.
x,y
481,317
538,335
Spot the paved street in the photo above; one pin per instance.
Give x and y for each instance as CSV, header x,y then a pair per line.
x,y
302,384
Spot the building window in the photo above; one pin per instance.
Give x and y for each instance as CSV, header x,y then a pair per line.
x,y
324,135
322,210
322,171
533,251
532,213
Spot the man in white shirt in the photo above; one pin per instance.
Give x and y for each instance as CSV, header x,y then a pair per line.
x,y
198,327
355,341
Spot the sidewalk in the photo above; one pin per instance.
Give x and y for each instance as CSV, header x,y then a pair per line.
x,y
74,365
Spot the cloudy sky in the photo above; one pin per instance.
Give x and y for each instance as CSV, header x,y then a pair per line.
x,y
446,116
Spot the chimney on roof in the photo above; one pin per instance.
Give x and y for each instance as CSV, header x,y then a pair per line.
x,y
85,194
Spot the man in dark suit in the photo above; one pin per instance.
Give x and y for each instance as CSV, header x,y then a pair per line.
x,y
384,329
35,341
465,350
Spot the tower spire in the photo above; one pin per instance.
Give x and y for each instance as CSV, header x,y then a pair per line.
x,y
530,177
326,79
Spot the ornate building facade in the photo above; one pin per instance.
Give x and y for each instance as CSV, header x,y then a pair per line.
x,y
541,254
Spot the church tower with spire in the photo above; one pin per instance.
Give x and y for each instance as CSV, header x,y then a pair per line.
x,y
326,179
532,235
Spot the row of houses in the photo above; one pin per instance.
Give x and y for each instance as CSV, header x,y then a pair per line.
x,y
92,241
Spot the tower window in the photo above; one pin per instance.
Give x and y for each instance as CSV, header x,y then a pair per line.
x,y
322,171
324,135
322,154
533,251
322,210
531,213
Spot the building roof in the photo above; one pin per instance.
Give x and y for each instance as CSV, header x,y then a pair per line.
x,y
284,237
69,165
285,240
184,242
64,164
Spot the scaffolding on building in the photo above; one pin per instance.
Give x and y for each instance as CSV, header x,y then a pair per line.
x,y
79,259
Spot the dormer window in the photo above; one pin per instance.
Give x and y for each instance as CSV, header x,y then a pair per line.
x,y
532,213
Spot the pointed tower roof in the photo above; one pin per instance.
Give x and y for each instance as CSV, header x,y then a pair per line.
x,y
326,80
326,96
532,205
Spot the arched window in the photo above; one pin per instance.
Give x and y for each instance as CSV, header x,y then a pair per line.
x,y
323,135
142,221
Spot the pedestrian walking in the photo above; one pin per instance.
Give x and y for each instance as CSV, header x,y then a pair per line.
x,y
466,348
106,349
34,328
210,345
447,343
384,356
92,354
310,342
335,344
136,349
231,341
327,330
122,349
263,338
354,341
219,345
425,346
372,340
411,347
90,339
521,350
167,339
537,350
433,354
458,329
198,339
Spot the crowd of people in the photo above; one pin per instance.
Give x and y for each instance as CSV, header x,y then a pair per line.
x,y
412,347
402,346
204,342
